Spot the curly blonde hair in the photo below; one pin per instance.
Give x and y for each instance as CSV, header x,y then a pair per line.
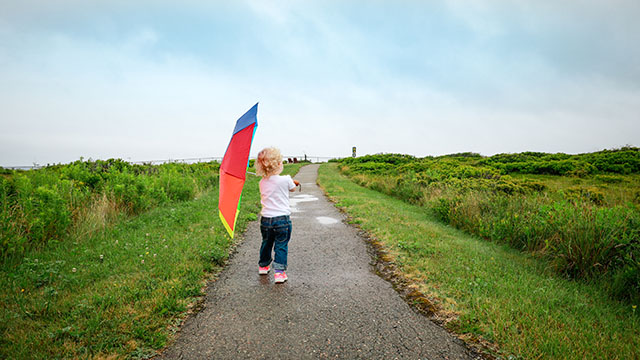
x,y
269,162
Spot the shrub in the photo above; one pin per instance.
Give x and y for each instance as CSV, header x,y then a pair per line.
x,y
44,204
373,168
49,216
625,281
581,194
610,179
533,185
177,187
572,228
594,240
618,161
395,159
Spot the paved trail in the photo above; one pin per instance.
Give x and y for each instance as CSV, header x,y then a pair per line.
x,y
332,306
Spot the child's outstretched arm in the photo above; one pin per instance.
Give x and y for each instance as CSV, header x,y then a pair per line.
x,y
297,184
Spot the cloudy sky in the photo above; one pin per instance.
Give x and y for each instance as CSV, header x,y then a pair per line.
x,y
144,80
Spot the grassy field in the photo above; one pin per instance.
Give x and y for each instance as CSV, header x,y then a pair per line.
x,y
121,290
47,205
580,212
489,292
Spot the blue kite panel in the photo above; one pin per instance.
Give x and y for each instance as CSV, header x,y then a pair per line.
x,y
247,119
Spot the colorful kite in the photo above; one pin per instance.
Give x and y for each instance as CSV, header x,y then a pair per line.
x,y
233,169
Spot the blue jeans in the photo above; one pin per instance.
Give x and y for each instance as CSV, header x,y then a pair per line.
x,y
276,233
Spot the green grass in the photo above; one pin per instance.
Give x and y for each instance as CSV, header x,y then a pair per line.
x,y
491,292
617,190
46,205
588,227
65,301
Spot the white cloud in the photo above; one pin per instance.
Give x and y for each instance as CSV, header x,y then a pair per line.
x,y
324,83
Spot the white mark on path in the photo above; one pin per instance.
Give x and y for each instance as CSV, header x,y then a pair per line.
x,y
305,196
326,220
295,200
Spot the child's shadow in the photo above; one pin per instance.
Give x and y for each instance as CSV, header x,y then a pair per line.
x,y
268,280
265,280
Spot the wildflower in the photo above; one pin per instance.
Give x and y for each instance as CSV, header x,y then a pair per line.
x,y
101,257
166,246
73,270
147,253
154,255
142,261
116,242
147,234
22,290
140,255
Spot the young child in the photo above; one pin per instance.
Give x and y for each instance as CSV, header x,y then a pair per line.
x,y
275,224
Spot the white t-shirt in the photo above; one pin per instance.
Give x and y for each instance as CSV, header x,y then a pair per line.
x,y
274,194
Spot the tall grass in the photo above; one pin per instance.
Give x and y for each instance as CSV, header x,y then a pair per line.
x,y
119,291
576,227
486,291
581,240
39,206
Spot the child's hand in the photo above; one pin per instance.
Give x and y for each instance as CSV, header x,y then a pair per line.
x,y
297,183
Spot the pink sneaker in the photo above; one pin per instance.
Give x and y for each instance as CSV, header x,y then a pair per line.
x,y
280,277
263,270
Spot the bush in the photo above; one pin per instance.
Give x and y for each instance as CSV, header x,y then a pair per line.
x,y
592,240
610,179
49,217
573,228
373,168
618,161
394,159
625,281
177,187
44,204
533,185
578,194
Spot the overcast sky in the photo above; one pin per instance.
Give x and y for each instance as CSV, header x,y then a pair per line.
x,y
144,80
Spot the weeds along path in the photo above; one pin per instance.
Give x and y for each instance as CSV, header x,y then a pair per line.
x,y
332,306
511,303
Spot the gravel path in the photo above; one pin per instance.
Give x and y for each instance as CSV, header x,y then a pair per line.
x,y
332,306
